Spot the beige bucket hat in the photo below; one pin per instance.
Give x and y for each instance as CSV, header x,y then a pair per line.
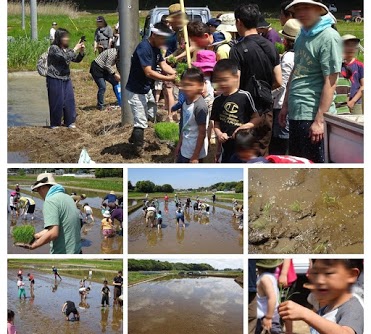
x,y
43,180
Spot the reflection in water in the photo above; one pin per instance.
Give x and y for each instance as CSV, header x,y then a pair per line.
x,y
191,305
213,232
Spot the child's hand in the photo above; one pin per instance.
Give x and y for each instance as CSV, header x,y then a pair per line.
x,y
291,311
223,138
193,160
267,324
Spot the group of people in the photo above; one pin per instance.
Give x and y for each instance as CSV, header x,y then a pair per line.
x,y
64,216
335,295
21,206
268,107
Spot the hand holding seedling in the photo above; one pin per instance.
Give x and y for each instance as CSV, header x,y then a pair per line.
x,y
291,311
267,324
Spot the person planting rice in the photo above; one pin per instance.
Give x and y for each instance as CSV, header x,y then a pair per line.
x,y
78,198
27,206
150,216
88,213
118,214
110,199
107,225
106,294
159,220
188,203
68,308
13,203
180,217
83,292
55,273
32,283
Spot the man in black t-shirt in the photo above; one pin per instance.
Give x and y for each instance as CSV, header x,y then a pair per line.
x,y
117,283
143,72
68,308
257,56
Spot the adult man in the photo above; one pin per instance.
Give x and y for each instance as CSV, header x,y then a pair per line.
x,y
53,29
201,35
256,56
213,24
117,283
143,72
61,219
117,214
104,68
110,199
318,57
285,15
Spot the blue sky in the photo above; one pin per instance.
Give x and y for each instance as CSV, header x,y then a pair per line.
x,y
184,178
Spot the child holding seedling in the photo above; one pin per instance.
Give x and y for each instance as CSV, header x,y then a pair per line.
x,y
333,280
267,297
21,288
193,143
106,294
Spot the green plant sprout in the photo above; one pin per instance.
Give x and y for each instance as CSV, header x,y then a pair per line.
x,y
296,207
329,200
24,234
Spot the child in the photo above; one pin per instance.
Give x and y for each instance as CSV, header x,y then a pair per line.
x,y
232,111
12,204
88,213
68,308
332,280
267,297
107,225
106,294
83,292
193,143
21,289
206,61
11,326
20,274
32,283
159,220
353,70
104,208
247,150
56,274
180,216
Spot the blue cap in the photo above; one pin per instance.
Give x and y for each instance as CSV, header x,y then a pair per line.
x,y
214,22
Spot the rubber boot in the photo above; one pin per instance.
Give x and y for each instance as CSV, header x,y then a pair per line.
x,y
138,140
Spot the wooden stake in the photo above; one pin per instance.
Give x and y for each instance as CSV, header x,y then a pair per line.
x,y
186,38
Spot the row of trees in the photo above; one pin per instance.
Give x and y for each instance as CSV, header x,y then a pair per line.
x,y
156,265
108,172
150,187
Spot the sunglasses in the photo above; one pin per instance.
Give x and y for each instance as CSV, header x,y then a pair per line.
x,y
43,180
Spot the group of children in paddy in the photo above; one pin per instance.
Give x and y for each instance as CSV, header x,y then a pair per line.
x,y
69,307
153,214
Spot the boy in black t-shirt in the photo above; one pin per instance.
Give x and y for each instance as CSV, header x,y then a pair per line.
x,y
106,292
232,111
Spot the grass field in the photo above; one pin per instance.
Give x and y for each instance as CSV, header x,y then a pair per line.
x,y
24,53
136,195
106,184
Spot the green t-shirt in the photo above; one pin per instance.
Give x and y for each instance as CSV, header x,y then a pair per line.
x,y
60,209
315,57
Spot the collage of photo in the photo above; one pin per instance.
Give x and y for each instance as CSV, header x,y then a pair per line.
x,y
177,167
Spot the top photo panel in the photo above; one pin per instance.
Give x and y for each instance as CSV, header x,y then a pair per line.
x,y
166,82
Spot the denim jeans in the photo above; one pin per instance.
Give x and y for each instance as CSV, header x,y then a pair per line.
x,y
300,144
101,83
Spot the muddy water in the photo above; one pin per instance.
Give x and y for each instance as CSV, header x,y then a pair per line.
x,y
186,305
92,241
216,232
28,89
44,311
306,211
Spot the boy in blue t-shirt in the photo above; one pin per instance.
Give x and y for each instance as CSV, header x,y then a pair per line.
x,y
143,72
159,219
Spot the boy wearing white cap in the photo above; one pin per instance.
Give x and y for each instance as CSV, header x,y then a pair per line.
x,y
318,55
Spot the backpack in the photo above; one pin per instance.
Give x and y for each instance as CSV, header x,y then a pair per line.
x,y
42,64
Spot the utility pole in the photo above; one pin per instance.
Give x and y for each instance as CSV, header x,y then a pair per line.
x,y
23,16
129,37
33,8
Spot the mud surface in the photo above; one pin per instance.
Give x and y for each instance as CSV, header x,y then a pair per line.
x,y
92,241
213,233
306,211
189,305
36,315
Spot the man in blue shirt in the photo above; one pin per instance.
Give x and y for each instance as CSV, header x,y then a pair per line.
x,y
143,73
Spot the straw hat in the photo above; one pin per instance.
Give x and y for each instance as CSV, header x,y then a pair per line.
x,y
228,23
112,192
269,263
175,9
43,180
291,29
107,214
291,6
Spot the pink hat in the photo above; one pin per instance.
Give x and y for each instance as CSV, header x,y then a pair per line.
x,y
205,60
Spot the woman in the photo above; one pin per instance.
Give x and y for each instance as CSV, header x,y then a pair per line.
x,y
280,139
103,36
58,81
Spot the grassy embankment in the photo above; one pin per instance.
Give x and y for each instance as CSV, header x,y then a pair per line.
x,y
76,268
23,53
104,184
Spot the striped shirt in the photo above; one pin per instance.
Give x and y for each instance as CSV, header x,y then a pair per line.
x,y
107,60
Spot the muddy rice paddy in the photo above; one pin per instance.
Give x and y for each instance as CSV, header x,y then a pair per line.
x,y
306,211
186,305
216,232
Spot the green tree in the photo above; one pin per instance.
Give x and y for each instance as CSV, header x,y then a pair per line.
x,y
130,186
239,187
145,187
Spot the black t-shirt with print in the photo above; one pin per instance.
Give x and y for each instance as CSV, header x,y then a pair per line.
x,y
255,55
105,290
232,111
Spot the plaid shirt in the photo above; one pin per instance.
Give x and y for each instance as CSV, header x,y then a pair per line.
x,y
107,60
